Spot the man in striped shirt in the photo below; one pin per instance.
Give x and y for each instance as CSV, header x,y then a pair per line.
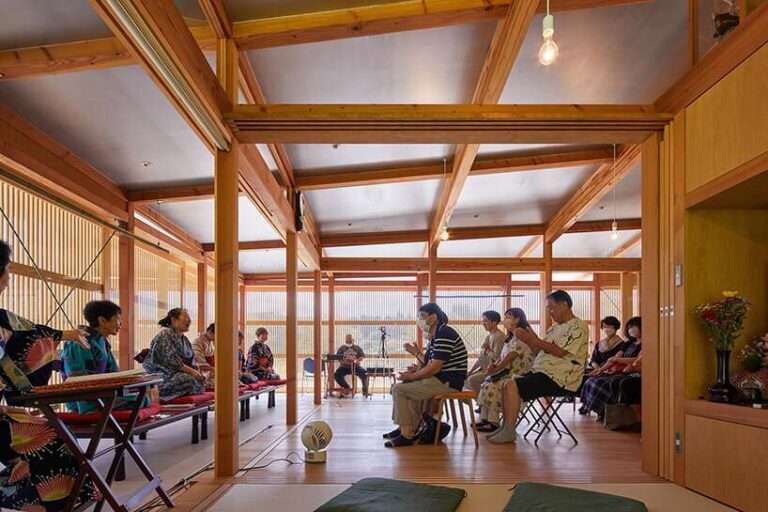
x,y
444,369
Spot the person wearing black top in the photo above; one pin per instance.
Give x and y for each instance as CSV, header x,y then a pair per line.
x,y
444,369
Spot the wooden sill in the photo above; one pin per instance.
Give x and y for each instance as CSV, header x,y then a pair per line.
x,y
726,412
742,188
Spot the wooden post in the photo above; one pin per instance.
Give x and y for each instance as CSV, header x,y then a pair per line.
x,y
127,263
597,304
318,334
546,287
331,323
627,287
226,191
507,292
291,325
419,303
241,304
202,290
432,272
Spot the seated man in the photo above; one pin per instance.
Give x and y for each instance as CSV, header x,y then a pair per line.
x,y
352,354
104,320
444,370
261,362
558,365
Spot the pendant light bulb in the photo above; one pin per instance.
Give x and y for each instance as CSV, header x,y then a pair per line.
x,y
614,230
549,50
444,236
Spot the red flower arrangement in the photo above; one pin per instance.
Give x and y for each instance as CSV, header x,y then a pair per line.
x,y
724,319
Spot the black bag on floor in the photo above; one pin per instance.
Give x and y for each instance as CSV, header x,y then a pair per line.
x,y
428,430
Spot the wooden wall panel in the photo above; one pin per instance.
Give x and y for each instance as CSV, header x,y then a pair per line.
x,y
728,125
727,462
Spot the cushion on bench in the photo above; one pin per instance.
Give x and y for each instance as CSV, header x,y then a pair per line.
x,y
274,382
192,399
121,415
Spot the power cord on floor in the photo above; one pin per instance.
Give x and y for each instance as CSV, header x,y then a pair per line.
x,y
286,459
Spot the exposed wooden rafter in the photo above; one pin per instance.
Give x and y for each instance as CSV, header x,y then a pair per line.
x,y
389,265
279,31
171,193
596,186
627,246
530,246
459,124
518,161
251,246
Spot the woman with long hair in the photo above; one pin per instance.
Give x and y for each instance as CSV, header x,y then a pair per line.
x,y
515,360
39,470
171,355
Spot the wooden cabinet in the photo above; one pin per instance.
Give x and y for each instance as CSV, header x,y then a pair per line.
x,y
728,125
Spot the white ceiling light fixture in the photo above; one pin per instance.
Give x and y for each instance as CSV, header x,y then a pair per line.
x,y
549,50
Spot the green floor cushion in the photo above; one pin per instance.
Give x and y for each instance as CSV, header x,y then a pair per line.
x,y
385,495
532,497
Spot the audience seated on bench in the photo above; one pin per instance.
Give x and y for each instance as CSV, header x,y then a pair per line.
x,y
603,385
202,347
170,355
104,320
261,362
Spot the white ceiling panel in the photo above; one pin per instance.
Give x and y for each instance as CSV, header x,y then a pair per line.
x,y
439,65
589,245
528,197
622,54
37,22
265,261
627,200
317,158
115,119
482,248
389,207
408,250
197,218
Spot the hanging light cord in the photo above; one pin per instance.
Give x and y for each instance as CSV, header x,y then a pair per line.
x,y
613,188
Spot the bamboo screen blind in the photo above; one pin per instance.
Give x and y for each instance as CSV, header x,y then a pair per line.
x,y
158,289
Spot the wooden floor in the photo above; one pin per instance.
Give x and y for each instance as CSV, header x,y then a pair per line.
x,y
357,451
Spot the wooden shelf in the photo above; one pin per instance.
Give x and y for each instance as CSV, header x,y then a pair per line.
x,y
740,414
743,187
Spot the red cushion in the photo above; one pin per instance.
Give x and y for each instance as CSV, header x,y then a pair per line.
x,y
192,399
275,382
257,385
121,415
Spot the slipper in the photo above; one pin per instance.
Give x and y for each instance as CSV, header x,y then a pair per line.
x,y
400,441
487,427
391,435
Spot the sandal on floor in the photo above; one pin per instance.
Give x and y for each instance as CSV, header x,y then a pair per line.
x,y
391,435
400,441
487,427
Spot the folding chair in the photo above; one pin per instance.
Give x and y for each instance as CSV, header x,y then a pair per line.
x,y
548,417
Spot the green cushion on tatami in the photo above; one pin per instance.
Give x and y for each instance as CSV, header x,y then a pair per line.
x,y
385,495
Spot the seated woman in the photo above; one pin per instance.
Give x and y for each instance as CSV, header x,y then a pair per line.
x,y
203,350
170,354
104,320
490,350
599,388
246,377
261,362
38,471
515,360
605,349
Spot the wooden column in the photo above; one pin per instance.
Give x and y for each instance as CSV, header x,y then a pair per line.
x,y
226,191
597,303
202,290
318,335
331,323
127,264
241,305
419,303
291,325
432,273
650,303
546,287
507,293
627,286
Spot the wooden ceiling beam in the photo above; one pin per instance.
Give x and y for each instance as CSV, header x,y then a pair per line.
x,y
472,233
458,124
519,161
155,32
255,245
596,186
216,14
171,193
450,265
35,157
278,31
530,246
171,227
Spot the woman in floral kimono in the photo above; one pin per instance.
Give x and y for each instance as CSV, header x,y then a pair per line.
x,y
261,362
515,360
171,355
39,469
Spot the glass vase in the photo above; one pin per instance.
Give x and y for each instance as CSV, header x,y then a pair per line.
x,y
723,391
